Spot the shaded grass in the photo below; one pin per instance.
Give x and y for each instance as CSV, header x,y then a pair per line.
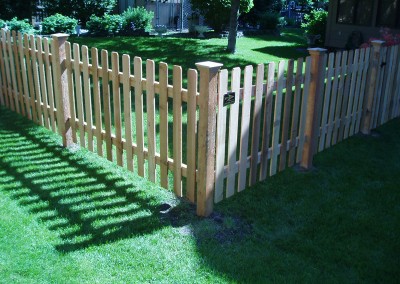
x,y
69,216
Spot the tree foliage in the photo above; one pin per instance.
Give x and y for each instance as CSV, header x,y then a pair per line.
x,y
217,12
315,23
260,8
22,26
79,9
21,9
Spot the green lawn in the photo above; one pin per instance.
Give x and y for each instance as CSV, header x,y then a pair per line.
x,y
67,216
188,51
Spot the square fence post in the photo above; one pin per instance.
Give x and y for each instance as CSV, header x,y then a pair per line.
x,y
371,86
61,88
207,136
313,106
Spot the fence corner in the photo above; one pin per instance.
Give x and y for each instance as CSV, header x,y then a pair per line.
x,y
61,87
372,82
313,106
207,136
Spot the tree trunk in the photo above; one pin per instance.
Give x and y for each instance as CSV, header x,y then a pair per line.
x,y
233,25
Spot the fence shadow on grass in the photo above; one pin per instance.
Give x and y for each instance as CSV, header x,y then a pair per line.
x,y
274,233
85,203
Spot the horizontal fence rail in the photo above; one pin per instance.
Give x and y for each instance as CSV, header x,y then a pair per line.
x,y
225,131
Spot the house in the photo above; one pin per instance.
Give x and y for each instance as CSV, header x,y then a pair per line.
x,y
170,13
360,18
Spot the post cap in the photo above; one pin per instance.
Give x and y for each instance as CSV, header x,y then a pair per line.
x,y
208,65
316,50
377,42
60,35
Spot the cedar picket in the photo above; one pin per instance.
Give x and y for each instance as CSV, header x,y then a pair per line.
x,y
56,89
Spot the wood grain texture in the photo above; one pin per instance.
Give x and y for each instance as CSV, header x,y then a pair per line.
x,y
287,108
233,134
276,131
296,112
177,130
191,135
256,129
138,71
245,127
221,136
107,103
163,110
116,95
268,100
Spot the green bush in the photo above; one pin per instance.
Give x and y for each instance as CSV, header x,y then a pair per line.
x,y
21,26
95,25
270,20
2,23
104,26
79,9
315,23
58,24
137,19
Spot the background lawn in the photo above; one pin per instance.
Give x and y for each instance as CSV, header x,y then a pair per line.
x,y
68,216
188,51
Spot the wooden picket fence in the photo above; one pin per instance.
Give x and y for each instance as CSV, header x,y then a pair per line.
x,y
217,136
291,113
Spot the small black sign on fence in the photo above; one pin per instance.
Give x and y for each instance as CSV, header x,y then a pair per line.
x,y
229,98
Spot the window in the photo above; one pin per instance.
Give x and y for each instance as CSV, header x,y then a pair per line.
x,y
355,12
389,14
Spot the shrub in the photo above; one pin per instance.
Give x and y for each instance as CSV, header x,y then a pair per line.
x,y
79,9
269,20
104,26
58,24
21,26
315,23
137,19
95,25
2,23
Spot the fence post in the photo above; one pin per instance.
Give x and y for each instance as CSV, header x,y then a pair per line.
x,y
313,106
372,80
61,87
207,136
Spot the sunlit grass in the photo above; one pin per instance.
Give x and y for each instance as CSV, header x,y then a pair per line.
x,y
186,52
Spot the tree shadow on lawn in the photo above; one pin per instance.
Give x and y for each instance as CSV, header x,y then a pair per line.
x,y
184,52
289,52
84,202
